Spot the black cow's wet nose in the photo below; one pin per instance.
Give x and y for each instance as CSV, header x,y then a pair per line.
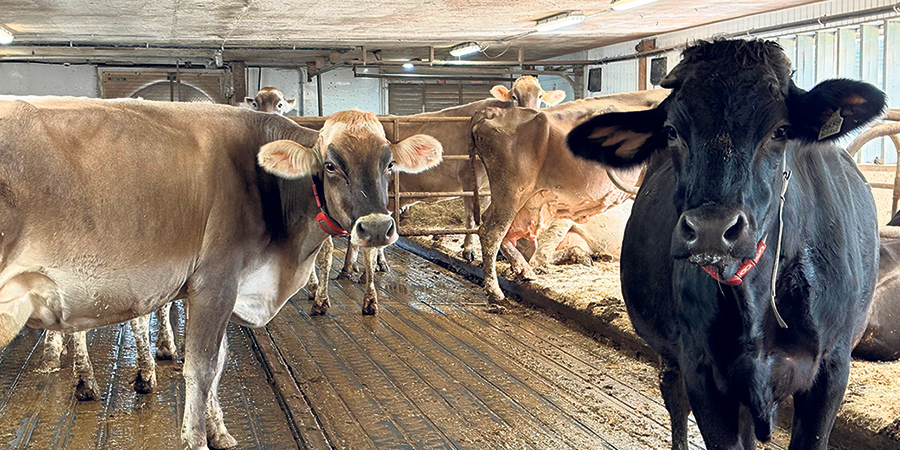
x,y
711,233
374,230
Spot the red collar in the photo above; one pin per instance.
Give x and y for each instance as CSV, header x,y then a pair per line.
x,y
742,271
325,222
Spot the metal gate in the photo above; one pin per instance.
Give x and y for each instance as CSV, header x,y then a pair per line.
x,y
392,124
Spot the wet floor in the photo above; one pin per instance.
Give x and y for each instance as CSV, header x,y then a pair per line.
x,y
433,370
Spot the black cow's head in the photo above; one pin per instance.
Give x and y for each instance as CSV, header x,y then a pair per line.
x,y
354,160
732,115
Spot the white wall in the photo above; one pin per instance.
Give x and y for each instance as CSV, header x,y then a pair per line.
x,y
49,79
340,91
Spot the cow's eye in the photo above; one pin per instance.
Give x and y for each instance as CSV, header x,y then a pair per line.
x,y
515,98
671,133
330,167
280,105
254,105
391,165
781,133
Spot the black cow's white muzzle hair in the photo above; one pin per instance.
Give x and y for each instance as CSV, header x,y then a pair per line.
x,y
374,230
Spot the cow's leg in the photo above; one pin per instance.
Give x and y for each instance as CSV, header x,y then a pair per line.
x,y
165,337
145,378
717,415
324,259
209,307
370,300
468,250
349,269
816,409
671,385
520,268
496,223
548,240
53,348
85,385
382,265
216,433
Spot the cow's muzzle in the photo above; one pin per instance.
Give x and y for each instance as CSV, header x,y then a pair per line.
x,y
714,236
374,230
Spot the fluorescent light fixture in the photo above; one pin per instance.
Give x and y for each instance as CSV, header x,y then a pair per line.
x,y
622,5
408,65
466,48
6,36
559,21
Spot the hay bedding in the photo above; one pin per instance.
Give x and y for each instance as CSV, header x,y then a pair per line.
x,y
872,400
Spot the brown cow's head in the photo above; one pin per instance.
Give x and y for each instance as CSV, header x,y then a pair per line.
x,y
527,93
270,100
355,161
733,114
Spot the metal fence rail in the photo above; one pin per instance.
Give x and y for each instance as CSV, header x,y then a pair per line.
x,y
890,128
392,127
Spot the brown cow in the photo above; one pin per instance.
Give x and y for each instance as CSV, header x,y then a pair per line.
x,y
110,209
270,100
527,92
535,178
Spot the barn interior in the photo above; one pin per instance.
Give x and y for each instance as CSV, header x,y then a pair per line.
x,y
434,369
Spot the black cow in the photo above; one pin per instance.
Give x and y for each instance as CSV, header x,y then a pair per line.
x,y
710,203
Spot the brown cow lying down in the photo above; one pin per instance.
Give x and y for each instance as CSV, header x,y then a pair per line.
x,y
535,178
564,241
110,209
881,340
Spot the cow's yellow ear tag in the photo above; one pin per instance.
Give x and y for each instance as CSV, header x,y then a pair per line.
x,y
832,126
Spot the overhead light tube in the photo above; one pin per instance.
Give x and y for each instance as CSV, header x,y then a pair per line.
x,y
466,48
558,21
623,5
6,36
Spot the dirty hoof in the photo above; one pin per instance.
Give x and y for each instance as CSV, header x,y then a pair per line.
x,y
222,440
319,309
311,290
143,383
383,266
371,309
469,254
166,353
86,389
497,309
524,274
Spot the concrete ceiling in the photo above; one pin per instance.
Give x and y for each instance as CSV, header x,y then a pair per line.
x,y
294,32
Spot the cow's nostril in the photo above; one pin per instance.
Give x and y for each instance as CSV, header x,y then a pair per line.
x,y
360,228
736,228
688,231
390,230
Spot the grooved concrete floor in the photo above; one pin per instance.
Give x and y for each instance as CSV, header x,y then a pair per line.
x,y
432,370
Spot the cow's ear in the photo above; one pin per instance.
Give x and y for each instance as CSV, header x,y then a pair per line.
x,y
291,104
500,93
288,159
620,139
247,103
554,97
833,108
417,153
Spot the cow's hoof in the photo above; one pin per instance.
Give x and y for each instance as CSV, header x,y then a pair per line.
x,y
383,266
144,383
312,292
370,309
320,308
468,254
222,440
524,274
345,275
166,353
497,309
86,389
